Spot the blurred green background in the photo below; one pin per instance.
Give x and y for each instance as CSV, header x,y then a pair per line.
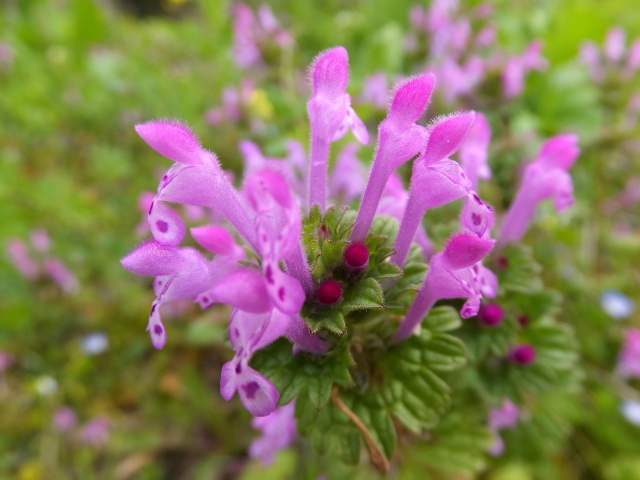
x,y
77,75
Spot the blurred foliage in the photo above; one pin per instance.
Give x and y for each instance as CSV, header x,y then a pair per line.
x,y
81,73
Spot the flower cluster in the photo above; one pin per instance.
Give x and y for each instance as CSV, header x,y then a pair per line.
x,y
294,261
462,56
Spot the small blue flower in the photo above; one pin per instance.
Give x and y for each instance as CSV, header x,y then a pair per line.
x,y
616,304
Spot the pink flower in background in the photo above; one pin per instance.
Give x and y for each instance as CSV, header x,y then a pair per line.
x,y
96,432
34,264
64,419
375,90
6,361
278,431
629,358
502,418
18,253
546,177
518,66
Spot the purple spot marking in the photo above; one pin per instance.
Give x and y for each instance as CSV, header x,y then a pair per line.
x,y
157,330
162,226
269,274
153,309
236,332
250,389
463,175
238,369
477,199
164,177
151,207
475,218
281,294
205,299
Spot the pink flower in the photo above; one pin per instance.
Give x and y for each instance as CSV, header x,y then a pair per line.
x,y
546,177
278,432
629,358
450,276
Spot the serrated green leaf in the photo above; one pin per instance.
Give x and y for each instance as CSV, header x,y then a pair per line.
x,y
444,352
363,295
442,319
384,430
385,226
521,273
385,270
319,389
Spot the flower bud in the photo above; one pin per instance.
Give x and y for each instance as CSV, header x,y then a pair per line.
x,y
491,315
356,257
522,355
329,292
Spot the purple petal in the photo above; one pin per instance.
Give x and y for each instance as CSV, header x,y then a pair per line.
x,y
285,291
463,251
173,140
243,289
228,380
215,239
410,99
329,72
257,394
156,328
358,128
193,279
153,258
198,186
447,135
559,152
165,224
476,215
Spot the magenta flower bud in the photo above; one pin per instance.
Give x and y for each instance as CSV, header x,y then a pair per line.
x,y
522,355
356,256
329,292
491,315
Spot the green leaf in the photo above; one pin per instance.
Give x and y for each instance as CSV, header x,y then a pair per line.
x,y
385,270
445,352
363,295
319,391
442,319
521,272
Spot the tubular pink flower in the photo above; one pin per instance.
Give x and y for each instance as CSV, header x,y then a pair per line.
x,y
394,204
330,116
475,150
18,254
399,140
436,180
518,66
249,333
278,227
614,44
61,275
629,358
500,419
450,275
195,179
544,178
278,429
